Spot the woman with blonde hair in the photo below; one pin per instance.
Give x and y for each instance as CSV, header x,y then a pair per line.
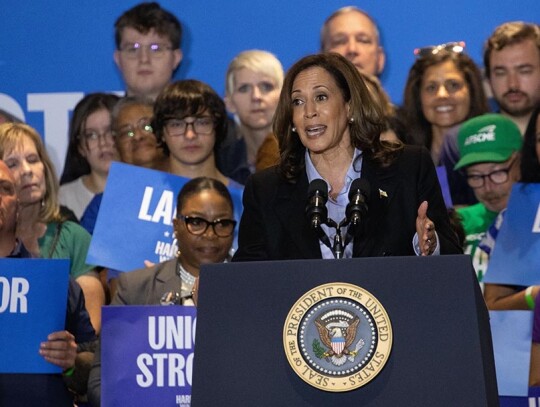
x,y
253,82
40,225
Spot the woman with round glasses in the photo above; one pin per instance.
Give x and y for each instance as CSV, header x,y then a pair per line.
x,y
135,141
90,152
204,229
190,121
133,132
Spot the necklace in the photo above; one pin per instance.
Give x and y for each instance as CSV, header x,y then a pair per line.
x,y
186,277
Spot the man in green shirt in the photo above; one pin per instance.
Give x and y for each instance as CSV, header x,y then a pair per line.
x,y
489,152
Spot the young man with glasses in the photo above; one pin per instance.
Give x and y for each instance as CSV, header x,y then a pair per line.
x,y
147,48
190,122
489,148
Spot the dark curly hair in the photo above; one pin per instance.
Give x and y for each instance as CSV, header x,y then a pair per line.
x,y
189,98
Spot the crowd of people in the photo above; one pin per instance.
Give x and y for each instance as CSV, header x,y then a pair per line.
x,y
274,133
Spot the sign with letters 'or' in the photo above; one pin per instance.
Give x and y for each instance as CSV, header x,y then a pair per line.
x,y
134,223
516,256
33,300
147,355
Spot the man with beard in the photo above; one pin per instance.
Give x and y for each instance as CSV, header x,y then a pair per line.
x,y
512,67
489,148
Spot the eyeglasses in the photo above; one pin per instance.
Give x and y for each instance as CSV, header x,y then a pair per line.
x,y
178,127
456,47
92,137
198,226
497,177
133,50
127,133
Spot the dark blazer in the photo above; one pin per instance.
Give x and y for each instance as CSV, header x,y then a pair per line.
x,y
140,287
146,286
274,225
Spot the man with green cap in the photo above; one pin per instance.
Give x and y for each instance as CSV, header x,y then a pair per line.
x,y
489,148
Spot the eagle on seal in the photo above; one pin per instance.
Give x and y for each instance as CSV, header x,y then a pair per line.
x,y
338,336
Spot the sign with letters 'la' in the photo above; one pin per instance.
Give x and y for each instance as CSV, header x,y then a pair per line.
x,y
134,223
516,256
33,300
147,355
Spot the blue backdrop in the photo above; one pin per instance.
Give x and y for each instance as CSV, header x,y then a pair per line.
x,y
54,52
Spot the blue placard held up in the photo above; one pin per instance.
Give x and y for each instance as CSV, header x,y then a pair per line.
x,y
147,355
33,300
516,256
511,332
135,218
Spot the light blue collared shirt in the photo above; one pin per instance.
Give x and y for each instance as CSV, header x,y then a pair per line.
x,y
336,207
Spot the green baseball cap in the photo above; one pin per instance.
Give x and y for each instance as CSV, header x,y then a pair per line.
x,y
487,138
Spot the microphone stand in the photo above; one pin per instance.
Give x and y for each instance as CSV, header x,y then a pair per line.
x,y
324,238
338,248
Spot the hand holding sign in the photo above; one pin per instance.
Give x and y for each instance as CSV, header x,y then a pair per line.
x,y
59,349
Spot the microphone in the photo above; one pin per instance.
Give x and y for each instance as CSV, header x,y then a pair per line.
x,y
358,199
316,207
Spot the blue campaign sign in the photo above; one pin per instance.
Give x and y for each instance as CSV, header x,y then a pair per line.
x,y
512,335
147,355
134,223
516,255
33,300
532,400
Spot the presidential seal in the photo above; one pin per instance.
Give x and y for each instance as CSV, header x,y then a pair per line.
x,y
337,337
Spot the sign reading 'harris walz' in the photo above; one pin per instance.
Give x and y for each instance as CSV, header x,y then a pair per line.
x,y
147,355
337,337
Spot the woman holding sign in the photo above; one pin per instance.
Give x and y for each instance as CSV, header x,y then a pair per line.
x,y
40,226
204,227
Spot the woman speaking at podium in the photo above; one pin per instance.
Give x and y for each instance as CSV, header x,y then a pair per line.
x,y
339,191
